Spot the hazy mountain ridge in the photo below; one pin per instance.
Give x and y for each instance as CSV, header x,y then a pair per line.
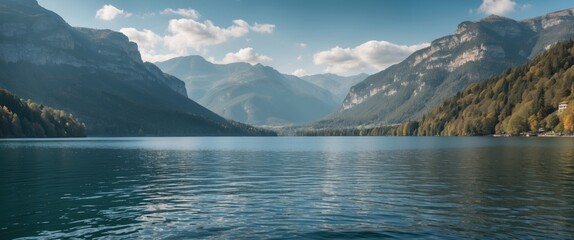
x,y
199,73
339,86
98,75
254,94
477,51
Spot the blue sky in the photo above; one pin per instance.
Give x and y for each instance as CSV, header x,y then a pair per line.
x,y
296,36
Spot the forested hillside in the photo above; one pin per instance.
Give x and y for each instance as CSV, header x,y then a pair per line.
x,y
523,99
20,118
520,100
475,52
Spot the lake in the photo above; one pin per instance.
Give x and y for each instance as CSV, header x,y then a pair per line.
x,y
287,188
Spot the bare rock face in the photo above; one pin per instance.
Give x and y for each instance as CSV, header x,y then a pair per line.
x,y
169,80
11,29
475,52
39,55
41,38
44,38
112,44
550,20
551,29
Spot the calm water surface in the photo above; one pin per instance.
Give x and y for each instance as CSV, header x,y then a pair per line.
x,y
287,188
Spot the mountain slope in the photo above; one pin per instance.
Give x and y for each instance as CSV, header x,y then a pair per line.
x,y
199,74
20,118
339,86
522,99
97,75
477,51
252,94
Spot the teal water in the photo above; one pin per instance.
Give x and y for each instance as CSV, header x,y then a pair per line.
x,y
287,188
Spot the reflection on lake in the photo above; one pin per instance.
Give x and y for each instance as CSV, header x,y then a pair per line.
x,y
287,188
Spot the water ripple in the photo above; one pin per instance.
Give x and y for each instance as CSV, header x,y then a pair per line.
x,y
472,189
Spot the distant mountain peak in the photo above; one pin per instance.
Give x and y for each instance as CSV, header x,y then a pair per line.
x,y
256,94
550,20
495,18
32,3
262,67
562,13
259,65
264,70
193,59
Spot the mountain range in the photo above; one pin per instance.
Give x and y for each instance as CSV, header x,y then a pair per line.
x,y
476,52
254,94
98,76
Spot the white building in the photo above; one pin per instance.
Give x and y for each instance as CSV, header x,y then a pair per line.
x,y
562,106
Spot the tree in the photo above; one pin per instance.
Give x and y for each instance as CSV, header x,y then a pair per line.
x,y
552,121
517,125
19,118
567,119
533,122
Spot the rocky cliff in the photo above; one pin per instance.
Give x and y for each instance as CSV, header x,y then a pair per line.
x,y
97,75
475,52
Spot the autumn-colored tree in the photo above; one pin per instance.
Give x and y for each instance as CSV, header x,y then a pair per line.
x,y
567,119
533,122
19,118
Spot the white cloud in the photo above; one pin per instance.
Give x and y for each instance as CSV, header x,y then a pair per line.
x,y
498,7
247,55
154,56
145,38
302,45
184,12
263,28
376,55
185,34
148,43
300,72
525,6
188,33
109,12
299,58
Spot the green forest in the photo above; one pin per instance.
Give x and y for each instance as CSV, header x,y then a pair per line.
x,y
19,118
521,100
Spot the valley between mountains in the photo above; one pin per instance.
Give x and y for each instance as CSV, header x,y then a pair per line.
x,y
492,76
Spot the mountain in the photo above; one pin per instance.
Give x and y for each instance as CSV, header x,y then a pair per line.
x,y
338,85
538,96
254,94
523,99
477,51
199,74
98,76
19,118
